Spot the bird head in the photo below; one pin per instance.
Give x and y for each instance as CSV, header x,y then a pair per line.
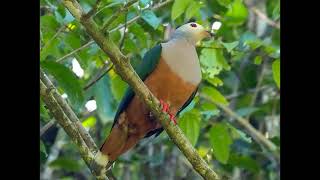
x,y
192,32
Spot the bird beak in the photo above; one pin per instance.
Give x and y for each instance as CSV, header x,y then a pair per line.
x,y
209,34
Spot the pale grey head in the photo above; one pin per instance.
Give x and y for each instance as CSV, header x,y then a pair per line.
x,y
192,32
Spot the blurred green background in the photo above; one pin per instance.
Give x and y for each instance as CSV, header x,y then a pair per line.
x,y
240,67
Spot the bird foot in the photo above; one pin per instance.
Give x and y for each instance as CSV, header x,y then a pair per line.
x,y
166,109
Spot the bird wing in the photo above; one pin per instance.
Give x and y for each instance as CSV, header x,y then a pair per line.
x,y
148,64
158,131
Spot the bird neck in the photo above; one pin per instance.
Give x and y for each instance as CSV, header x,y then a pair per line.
x,y
184,36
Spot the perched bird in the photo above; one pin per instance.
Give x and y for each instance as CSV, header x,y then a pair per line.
x,y
172,72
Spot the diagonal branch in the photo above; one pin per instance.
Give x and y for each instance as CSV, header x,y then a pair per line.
x,y
70,128
127,73
69,112
255,134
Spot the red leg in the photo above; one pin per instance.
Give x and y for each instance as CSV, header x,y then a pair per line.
x,y
173,119
166,109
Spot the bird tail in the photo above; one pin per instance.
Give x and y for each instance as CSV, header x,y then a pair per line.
x,y
119,140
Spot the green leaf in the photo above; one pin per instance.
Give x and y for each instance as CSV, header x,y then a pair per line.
x,y
192,9
89,122
237,134
244,162
214,95
276,11
215,81
43,111
230,46
224,3
178,8
51,49
139,32
257,60
43,148
118,87
73,39
213,61
276,71
68,81
151,18
190,125
65,164
104,99
220,140
246,111
236,14
144,2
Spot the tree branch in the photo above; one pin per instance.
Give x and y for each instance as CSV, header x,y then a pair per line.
x,y
70,128
155,7
127,73
69,112
116,14
246,125
47,126
98,77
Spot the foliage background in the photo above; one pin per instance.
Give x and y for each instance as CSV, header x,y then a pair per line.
x,y
240,70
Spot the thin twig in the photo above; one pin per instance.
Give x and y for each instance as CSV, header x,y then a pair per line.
x,y
47,126
75,51
264,17
53,37
255,94
99,77
157,6
53,122
69,112
255,134
94,9
70,128
124,32
117,13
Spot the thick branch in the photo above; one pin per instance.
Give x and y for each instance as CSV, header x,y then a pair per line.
x,y
70,128
69,112
127,73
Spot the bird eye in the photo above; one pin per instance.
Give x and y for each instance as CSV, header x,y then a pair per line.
x,y
193,25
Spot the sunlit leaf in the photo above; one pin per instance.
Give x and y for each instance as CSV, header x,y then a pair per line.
x,y
214,95
220,140
192,9
237,13
276,71
151,18
104,99
89,122
257,60
67,80
179,7
190,125
66,164
230,46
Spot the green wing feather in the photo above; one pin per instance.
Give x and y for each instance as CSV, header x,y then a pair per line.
x,y
148,64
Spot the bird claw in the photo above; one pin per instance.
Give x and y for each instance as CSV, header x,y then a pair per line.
x,y
166,109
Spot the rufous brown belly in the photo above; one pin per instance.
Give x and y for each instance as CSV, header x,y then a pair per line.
x,y
136,120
